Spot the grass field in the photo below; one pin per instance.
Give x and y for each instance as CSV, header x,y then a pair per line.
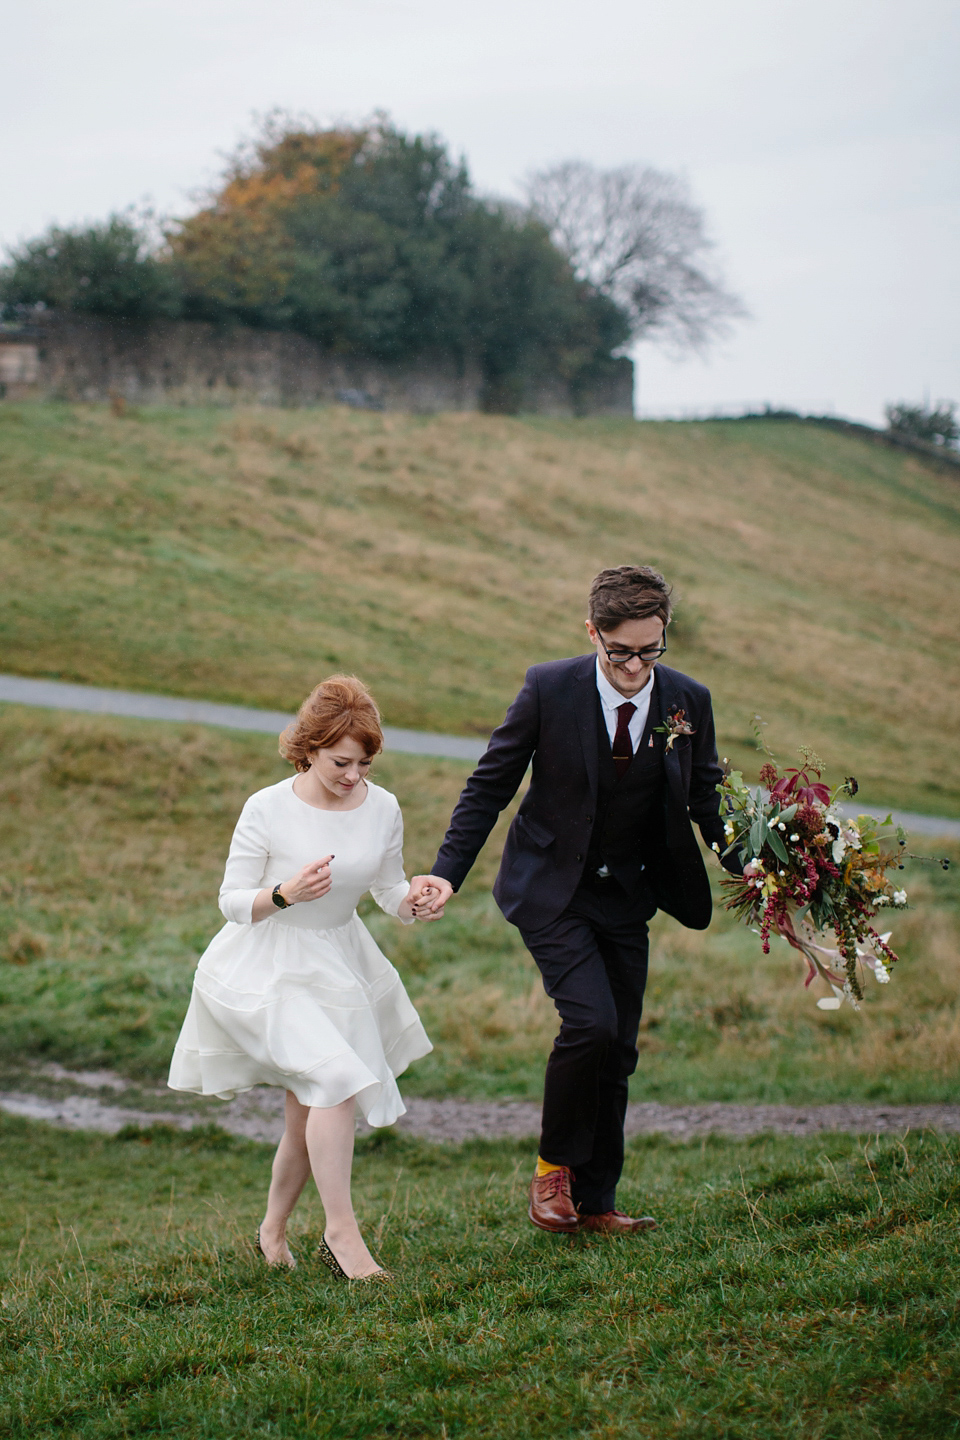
x,y
116,833
242,556
802,1289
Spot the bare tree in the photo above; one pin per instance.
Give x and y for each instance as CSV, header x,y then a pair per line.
x,y
635,234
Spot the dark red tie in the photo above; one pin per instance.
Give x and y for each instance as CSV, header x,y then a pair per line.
x,y
622,749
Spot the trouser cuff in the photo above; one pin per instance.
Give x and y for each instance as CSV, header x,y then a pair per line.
x,y
591,1205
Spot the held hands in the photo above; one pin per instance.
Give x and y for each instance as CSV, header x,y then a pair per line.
x,y
427,896
425,899
421,909
309,883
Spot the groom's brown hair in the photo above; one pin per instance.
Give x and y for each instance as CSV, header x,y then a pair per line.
x,y
628,592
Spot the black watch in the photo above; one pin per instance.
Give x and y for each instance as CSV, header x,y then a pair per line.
x,y
278,899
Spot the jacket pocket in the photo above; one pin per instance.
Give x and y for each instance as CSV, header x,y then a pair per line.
x,y
532,830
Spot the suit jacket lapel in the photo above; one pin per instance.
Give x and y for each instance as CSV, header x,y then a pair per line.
x,y
667,700
585,706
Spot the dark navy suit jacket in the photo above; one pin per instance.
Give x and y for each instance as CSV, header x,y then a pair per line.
x,y
554,722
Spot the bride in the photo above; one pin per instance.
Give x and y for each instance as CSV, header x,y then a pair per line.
x,y
293,991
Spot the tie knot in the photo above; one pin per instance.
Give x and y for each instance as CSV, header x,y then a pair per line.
x,y
626,711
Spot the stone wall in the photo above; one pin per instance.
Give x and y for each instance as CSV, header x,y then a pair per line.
x,y
194,363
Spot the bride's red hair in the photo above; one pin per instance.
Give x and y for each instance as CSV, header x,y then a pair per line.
x,y
339,708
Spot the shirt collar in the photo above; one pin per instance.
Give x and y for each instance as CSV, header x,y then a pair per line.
x,y
611,698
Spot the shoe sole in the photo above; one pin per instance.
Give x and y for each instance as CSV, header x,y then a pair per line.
x,y
614,1234
553,1229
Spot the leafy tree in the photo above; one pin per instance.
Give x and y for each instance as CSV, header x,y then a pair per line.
x,y
372,241
919,422
368,240
236,254
529,313
106,269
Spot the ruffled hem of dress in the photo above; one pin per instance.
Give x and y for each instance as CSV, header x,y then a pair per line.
x,y
224,1074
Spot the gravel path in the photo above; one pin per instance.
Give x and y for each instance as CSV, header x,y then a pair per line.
x,y
258,1115
56,695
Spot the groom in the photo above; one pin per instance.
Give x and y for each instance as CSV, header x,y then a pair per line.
x,y
624,758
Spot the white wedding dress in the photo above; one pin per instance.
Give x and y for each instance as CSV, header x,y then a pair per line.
x,y
305,998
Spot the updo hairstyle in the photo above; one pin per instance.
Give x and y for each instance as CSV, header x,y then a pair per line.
x,y
338,708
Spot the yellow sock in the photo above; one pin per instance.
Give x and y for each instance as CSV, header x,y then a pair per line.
x,y
544,1167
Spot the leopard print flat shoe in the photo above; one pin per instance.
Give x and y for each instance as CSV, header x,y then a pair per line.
x,y
326,1255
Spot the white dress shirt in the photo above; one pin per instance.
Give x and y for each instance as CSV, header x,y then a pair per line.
x,y
610,699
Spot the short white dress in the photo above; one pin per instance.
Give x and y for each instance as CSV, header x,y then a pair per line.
x,y
305,998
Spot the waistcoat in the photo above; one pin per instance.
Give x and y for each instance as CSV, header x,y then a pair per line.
x,y
629,819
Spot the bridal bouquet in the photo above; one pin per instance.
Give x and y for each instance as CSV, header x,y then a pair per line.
x,y
813,873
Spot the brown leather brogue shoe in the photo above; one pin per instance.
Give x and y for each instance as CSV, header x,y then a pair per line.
x,y
614,1222
551,1205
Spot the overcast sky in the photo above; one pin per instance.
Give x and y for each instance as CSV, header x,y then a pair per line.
x,y
821,137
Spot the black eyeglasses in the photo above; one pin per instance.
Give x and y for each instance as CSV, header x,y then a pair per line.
x,y
623,657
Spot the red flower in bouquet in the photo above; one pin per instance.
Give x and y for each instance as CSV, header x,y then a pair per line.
x,y
796,785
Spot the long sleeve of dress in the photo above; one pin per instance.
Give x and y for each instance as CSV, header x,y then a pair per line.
x,y
246,865
390,887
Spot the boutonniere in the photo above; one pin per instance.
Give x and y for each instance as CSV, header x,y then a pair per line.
x,y
677,725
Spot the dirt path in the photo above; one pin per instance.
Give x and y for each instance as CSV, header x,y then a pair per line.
x,y
94,1101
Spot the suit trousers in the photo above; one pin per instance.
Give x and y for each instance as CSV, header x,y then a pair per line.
x,y
593,960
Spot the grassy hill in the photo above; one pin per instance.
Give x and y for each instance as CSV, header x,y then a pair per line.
x,y
797,1285
242,556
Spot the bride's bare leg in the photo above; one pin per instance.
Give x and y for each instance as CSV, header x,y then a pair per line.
x,y
330,1135
291,1171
